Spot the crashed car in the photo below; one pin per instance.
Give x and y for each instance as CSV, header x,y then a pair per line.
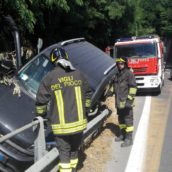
x,y
16,153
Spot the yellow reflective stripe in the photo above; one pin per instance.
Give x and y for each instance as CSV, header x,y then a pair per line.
x,y
70,125
132,91
60,105
65,167
79,102
120,60
41,109
129,129
87,102
130,97
122,104
67,57
69,130
74,162
121,126
81,115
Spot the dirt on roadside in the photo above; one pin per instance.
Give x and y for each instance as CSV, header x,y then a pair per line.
x,y
98,153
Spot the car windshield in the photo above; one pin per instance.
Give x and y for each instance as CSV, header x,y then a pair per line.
x,y
33,73
145,50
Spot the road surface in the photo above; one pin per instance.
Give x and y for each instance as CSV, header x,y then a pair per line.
x,y
152,148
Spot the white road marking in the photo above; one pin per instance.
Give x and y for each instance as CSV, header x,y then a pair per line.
x,y
136,158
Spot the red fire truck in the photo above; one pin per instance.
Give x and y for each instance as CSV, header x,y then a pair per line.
x,y
145,57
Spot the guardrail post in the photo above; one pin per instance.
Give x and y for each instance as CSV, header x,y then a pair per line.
x,y
39,143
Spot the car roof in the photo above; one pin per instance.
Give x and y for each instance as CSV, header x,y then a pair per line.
x,y
89,59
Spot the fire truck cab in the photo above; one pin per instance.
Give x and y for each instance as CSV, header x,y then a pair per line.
x,y
145,57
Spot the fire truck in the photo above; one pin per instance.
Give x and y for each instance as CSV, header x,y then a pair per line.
x,y
145,58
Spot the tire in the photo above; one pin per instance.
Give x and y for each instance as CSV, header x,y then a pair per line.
x,y
158,90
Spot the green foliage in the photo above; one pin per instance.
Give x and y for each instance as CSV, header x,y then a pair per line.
x,y
166,17
100,21
59,3
115,10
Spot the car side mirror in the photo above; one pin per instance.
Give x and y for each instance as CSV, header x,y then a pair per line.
x,y
39,44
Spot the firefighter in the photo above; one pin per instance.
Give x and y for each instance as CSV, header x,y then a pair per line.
x,y
68,92
125,90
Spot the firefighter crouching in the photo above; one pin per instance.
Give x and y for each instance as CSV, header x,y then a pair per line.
x,y
125,88
68,92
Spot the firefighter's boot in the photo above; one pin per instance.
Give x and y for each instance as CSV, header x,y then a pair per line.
x,y
121,136
128,141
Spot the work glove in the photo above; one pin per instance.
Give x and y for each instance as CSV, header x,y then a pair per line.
x,y
91,112
129,104
88,110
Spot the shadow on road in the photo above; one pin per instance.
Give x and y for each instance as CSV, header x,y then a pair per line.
x,y
147,93
82,158
113,128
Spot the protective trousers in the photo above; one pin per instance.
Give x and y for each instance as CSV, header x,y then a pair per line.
x,y
68,147
125,119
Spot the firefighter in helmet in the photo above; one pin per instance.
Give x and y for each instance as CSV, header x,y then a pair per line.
x,y
125,90
68,92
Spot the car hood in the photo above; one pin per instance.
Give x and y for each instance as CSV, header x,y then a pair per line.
x,y
15,112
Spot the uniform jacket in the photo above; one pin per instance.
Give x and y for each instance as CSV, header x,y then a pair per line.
x,y
69,95
125,87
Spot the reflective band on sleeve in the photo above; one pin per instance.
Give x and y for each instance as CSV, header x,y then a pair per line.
x,y
60,106
129,129
41,109
122,126
79,102
130,97
87,103
132,91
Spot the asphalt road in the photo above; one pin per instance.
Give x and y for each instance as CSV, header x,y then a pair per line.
x,y
166,153
157,153
120,155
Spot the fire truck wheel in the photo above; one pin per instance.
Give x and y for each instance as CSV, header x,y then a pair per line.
x,y
158,91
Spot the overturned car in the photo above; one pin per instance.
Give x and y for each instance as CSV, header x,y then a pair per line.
x,y
16,154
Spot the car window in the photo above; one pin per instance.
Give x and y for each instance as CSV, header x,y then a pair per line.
x,y
33,73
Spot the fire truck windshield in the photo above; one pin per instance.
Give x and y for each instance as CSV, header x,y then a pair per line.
x,y
139,50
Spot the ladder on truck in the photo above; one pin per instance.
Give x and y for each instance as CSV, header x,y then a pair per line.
x,y
44,158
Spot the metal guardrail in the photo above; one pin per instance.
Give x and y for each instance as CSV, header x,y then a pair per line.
x,y
17,131
42,158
